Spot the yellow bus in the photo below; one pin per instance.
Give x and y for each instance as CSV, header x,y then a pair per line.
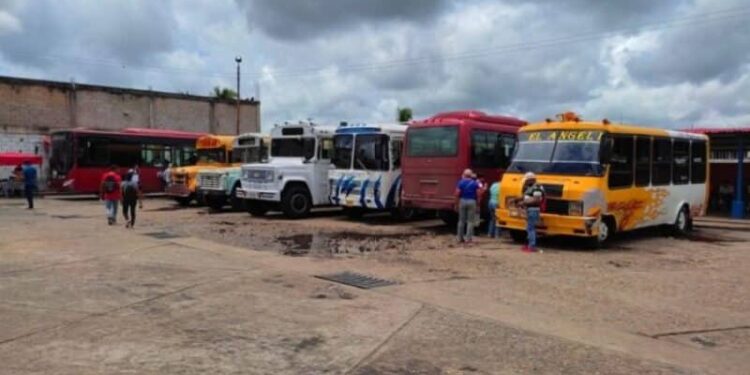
x,y
211,151
600,178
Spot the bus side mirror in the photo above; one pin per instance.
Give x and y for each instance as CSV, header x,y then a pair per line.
x,y
308,148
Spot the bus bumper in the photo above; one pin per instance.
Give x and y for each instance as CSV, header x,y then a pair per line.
x,y
551,224
178,190
213,193
263,195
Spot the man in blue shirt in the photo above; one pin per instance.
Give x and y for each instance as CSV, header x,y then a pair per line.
x,y
467,193
29,182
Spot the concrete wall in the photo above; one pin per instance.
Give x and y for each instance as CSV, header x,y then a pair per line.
x,y
38,107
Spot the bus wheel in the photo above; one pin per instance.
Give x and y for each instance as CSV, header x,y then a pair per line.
x,y
518,236
238,204
450,218
215,203
403,213
605,231
184,201
256,208
682,222
296,202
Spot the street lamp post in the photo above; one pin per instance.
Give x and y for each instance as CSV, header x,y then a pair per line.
x,y
238,60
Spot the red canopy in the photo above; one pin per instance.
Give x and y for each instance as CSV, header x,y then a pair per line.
x,y
16,158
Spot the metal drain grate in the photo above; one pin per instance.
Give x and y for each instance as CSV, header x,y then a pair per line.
x,y
162,235
357,280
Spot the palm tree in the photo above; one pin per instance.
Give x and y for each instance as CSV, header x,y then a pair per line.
x,y
224,93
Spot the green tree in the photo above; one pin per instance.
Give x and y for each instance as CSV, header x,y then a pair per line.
x,y
224,93
404,114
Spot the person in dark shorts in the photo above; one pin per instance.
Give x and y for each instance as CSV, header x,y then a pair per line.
x,y
131,194
29,182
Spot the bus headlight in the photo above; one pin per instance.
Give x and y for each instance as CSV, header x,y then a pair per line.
x,y
510,202
575,208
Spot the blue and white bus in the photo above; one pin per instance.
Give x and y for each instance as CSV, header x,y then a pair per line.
x,y
367,168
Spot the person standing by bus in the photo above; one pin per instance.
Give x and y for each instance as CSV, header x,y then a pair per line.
x,y
467,193
109,192
29,182
131,194
493,231
533,200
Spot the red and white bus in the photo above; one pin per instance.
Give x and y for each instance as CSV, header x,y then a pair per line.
x,y
438,149
80,156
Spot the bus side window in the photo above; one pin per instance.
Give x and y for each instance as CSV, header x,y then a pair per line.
x,y
396,147
643,161
661,168
504,150
483,146
621,162
680,160
698,162
326,149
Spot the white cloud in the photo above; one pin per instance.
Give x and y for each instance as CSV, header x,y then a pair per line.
x,y
8,23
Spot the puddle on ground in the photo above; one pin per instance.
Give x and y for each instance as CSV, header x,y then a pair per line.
x,y
329,244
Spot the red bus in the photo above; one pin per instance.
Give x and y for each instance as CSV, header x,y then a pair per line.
x,y
438,149
80,156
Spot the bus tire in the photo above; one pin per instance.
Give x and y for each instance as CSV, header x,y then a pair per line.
x,y
606,230
403,213
518,236
184,201
682,223
450,218
236,203
354,213
256,207
296,202
215,203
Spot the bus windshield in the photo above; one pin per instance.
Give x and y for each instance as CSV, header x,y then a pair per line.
x,y
573,152
211,155
247,154
61,159
433,141
342,150
287,147
371,152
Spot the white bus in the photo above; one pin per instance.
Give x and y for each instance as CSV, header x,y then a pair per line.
x,y
367,168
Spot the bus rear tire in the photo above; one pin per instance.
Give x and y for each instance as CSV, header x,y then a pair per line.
x,y
215,203
450,218
296,202
682,223
518,236
256,207
403,213
184,201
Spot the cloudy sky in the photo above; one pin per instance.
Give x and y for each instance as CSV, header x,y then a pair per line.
x,y
669,63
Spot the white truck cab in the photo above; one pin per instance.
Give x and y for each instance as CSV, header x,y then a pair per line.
x,y
367,168
296,177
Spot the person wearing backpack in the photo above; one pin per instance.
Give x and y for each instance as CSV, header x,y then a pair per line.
x,y
533,200
131,193
109,192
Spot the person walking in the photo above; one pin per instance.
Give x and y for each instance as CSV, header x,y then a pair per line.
x,y
109,192
533,200
131,194
493,231
467,192
29,182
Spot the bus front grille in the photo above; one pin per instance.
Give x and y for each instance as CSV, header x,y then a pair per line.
x,y
556,206
210,182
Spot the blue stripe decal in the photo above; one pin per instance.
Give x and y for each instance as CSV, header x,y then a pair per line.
x,y
363,192
376,193
391,200
358,130
348,186
338,187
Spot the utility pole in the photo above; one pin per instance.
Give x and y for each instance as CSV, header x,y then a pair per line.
x,y
238,60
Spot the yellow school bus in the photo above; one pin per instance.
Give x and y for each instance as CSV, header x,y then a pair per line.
x,y
600,178
212,151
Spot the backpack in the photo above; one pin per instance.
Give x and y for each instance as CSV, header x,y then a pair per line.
x,y
129,192
110,184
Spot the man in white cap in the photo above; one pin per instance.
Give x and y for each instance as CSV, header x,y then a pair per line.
x,y
533,199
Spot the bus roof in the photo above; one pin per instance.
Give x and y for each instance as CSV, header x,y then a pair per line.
x,y
213,141
470,116
606,126
371,128
142,132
